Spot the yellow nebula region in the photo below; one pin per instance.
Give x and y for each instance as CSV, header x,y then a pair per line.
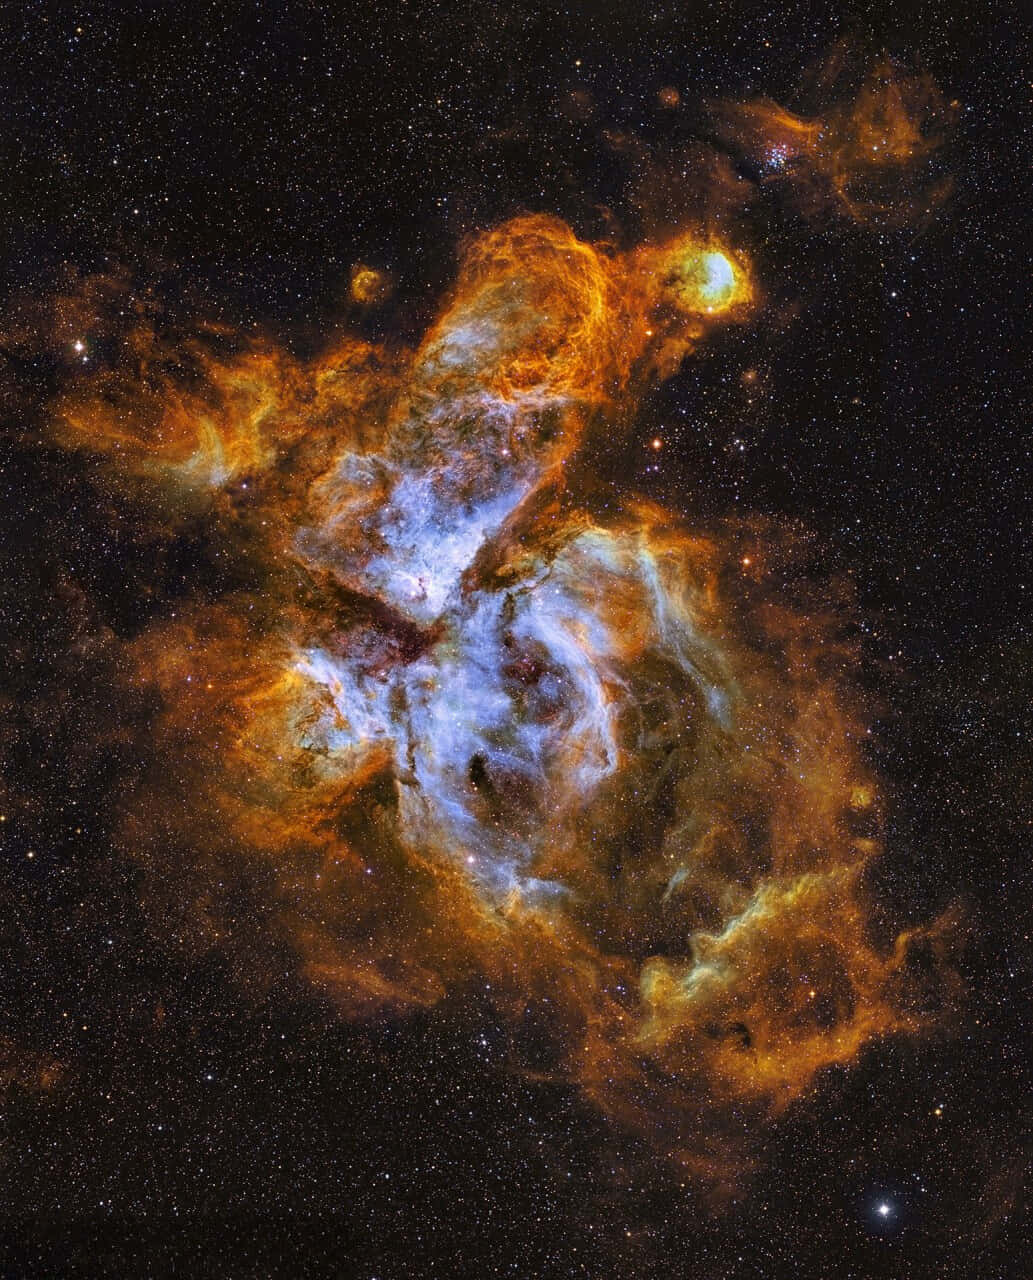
x,y
477,732
368,285
707,280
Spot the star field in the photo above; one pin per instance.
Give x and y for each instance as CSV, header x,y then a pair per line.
x,y
179,1097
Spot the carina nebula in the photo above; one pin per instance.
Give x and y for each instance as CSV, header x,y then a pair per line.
x,y
471,722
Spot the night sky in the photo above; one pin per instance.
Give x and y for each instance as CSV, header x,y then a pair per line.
x,y
200,1077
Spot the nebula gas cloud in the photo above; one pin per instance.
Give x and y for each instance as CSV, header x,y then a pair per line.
x,y
469,726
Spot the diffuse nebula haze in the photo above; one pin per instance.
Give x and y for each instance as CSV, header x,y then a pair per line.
x,y
871,153
475,730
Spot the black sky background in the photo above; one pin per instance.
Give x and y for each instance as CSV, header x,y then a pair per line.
x,y
238,159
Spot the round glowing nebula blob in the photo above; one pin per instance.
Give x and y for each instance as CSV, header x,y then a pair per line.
x,y
368,285
704,279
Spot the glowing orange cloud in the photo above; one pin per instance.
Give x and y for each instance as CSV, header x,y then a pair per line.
x,y
470,730
869,153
